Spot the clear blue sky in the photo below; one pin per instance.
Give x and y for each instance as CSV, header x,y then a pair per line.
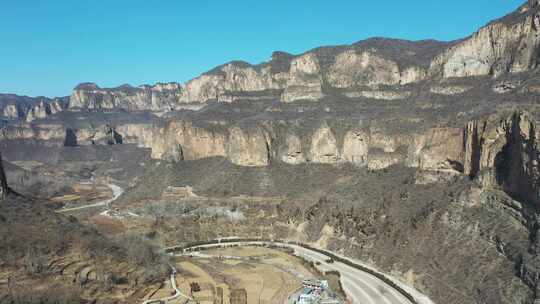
x,y
49,46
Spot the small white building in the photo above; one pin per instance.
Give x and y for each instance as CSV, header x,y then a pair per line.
x,y
306,299
314,291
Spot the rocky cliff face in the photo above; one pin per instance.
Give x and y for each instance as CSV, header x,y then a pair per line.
x,y
500,150
14,107
509,44
475,149
503,152
304,80
306,76
233,77
56,135
368,63
44,109
268,141
367,68
178,140
26,131
160,97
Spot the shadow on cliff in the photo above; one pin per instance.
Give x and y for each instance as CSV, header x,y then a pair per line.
x,y
71,138
515,164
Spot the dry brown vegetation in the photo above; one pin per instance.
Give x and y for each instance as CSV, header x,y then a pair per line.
x,y
50,258
253,275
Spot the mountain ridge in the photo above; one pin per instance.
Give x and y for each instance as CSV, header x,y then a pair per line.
x,y
388,48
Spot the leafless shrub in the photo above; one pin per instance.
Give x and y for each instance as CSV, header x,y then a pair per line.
x,y
54,295
34,262
144,253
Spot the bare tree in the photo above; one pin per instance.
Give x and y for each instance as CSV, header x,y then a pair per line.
x,y
34,262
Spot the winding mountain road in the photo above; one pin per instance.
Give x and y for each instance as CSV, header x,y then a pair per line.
x,y
117,191
360,287
177,292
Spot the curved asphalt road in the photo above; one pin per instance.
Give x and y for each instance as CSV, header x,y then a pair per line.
x,y
360,287
116,190
177,292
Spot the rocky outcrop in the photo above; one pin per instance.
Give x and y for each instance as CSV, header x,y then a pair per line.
x,y
484,145
180,140
49,133
248,148
303,77
102,135
351,69
12,111
324,147
39,111
437,149
160,97
503,153
356,147
509,44
292,151
499,151
14,107
56,134
219,83
260,144
141,134
305,80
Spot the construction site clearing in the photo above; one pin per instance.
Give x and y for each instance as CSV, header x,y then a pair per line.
x,y
314,291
